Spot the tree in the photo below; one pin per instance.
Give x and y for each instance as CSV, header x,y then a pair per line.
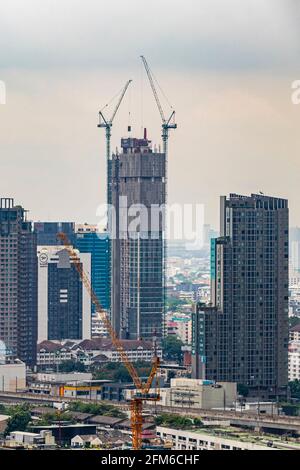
x,y
172,348
51,417
198,422
294,321
176,421
72,366
171,374
295,389
18,421
243,390
290,410
3,410
97,409
174,303
117,372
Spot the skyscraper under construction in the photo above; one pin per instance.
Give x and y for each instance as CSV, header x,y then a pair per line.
x,y
137,229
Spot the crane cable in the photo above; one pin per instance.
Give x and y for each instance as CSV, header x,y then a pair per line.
x,y
113,98
142,99
161,89
129,111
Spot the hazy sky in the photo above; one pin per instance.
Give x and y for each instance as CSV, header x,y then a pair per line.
x,y
225,65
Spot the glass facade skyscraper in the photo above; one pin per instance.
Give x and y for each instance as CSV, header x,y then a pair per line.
x,y
246,328
89,240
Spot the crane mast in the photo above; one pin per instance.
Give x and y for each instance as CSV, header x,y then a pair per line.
x,y
142,393
107,125
167,124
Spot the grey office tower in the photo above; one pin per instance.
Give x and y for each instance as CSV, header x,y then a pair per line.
x,y
18,282
137,179
245,330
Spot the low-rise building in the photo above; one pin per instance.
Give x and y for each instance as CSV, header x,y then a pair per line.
x,y
180,326
295,333
89,391
79,442
78,385
3,422
30,439
114,391
12,376
105,422
52,383
201,440
192,393
258,407
294,360
62,377
203,394
64,433
51,353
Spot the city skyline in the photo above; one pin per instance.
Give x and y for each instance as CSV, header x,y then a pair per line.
x,y
233,101
149,227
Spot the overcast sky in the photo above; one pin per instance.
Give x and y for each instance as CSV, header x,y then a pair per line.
x,y
225,65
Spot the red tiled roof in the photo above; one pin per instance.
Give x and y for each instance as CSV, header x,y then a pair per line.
x,y
296,329
49,346
96,344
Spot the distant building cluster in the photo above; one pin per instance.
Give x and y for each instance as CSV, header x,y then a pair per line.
x,y
231,314
42,296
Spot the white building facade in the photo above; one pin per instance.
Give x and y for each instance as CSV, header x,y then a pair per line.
x,y
189,440
294,360
90,351
64,304
12,376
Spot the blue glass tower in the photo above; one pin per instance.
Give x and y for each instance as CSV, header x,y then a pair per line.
x,y
96,243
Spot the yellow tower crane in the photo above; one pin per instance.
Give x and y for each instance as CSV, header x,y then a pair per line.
x,y
142,389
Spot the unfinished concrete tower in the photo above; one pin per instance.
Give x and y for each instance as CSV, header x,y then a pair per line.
x,y
138,195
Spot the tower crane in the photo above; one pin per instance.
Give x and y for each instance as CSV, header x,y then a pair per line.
x,y
107,125
167,124
142,394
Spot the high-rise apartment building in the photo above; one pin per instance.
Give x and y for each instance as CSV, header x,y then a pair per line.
x,y
294,243
90,240
87,239
18,282
245,331
64,305
137,185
